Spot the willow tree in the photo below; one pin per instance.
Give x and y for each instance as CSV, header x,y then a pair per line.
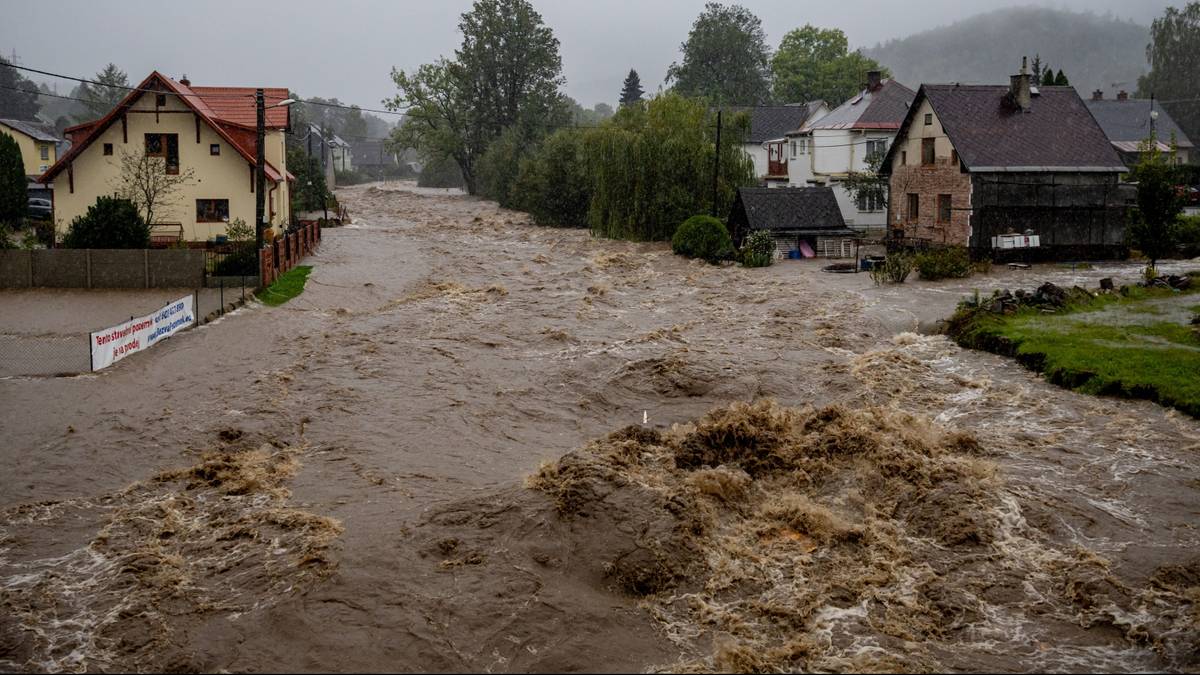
x,y
651,167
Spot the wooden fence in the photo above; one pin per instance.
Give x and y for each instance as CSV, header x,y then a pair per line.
x,y
285,252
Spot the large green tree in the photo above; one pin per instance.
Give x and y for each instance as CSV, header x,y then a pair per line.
x,y
816,64
13,198
631,89
18,96
1174,56
506,73
725,58
112,85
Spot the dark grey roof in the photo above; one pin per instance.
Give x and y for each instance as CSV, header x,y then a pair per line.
x,y
772,122
1057,133
36,131
789,209
883,108
1129,120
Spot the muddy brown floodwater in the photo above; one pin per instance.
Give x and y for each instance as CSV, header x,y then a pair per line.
x,y
413,466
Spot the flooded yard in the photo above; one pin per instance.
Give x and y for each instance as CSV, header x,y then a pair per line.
x,y
340,482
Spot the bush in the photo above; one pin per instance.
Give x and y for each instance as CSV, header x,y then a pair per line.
x,y
239,262
1187,232
553,184
109,223
496,170
440,172
352,177
758,250
702,237
944,263
894,269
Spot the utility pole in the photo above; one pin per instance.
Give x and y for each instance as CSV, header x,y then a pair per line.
x,y
716,165
260,171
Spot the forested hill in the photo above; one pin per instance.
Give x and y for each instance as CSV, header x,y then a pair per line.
x,y
1093,51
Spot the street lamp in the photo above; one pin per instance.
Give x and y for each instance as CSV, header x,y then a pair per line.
x,y
260,170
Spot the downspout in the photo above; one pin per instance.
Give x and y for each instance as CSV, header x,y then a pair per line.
x,y
271,200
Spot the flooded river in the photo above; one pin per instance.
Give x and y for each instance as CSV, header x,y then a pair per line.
x,y
340,483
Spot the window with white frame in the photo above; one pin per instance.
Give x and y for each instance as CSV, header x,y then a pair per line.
x,y
870,201
876,147
793,149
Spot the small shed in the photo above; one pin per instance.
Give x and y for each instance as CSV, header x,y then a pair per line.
x,y
806,220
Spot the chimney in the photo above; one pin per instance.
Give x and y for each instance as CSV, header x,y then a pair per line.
x,y
184,81
1019,86
1122,95
874,80
1098,95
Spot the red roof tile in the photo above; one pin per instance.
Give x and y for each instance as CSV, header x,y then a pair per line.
x,y
236,105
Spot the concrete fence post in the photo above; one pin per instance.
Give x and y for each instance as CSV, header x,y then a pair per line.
x,y
146,265
30,258
87,257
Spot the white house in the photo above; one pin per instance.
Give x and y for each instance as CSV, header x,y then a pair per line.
x,y
827,148
769,125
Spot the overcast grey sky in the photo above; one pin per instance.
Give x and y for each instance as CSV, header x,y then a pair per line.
x,y
347,49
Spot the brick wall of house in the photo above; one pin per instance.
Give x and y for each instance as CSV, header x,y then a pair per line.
x,y
943,177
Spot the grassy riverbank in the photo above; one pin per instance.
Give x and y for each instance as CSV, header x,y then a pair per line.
x,y
287,286
1135,345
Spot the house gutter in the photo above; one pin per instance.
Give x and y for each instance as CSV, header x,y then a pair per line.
x,y
1045,169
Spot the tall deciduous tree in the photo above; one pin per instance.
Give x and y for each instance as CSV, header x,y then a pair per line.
x,y
111,86
725,58
1174,56
506,73
18,96
13,198
816,64
631,89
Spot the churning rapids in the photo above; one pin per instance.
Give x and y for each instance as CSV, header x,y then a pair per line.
x,y
476,444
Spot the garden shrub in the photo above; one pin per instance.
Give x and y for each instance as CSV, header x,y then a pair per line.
x,y
944,263
440,172
1187,233
496,170
552,184
109,223
702,237
758,250
894,269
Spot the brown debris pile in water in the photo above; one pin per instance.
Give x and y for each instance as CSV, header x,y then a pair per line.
x,y
215,537
781,539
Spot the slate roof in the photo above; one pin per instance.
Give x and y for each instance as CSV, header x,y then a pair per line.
x,y
772,122
1057,133
38,132
807,209
239,136
1129,120
883,108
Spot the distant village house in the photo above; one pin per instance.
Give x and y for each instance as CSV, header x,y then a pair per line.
x,y
1129,122
766,142
39,145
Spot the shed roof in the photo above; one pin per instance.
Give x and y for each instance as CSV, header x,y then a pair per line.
x,y
1129,120
789,209
38,132
883,108
989,133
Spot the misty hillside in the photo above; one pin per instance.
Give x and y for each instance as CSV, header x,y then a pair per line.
x,y
1094,51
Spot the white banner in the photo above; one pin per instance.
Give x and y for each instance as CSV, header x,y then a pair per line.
x,y
113,344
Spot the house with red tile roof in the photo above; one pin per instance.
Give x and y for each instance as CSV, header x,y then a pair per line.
x,y
206,133
973,163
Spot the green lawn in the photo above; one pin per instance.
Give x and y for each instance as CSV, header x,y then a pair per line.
x,y
1136,347
287,286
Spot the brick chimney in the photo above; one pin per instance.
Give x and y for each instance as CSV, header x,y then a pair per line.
x,y
874,80
1098,95
1122,95
1019,86
185,81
